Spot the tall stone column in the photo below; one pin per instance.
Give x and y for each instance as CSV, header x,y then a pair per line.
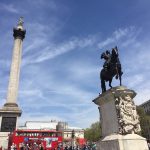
x,y
15,69
119,121
10,112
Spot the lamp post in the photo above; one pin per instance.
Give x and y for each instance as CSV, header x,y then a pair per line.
x,y
73,135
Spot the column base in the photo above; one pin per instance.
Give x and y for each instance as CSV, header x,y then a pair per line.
x,y
122,142
9,114
4,140
10,107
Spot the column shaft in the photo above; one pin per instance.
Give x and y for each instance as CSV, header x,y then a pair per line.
x,y
14,72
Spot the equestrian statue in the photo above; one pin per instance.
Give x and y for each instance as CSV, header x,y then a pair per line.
x,y
111,68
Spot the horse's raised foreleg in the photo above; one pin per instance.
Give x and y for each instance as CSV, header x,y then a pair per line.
x,y
103,86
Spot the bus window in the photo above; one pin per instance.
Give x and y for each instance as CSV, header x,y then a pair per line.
x,y
28,134
45,134
54,134
59,134
19,134
40,134
37,134
50,133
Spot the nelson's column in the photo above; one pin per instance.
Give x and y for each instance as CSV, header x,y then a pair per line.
x,y
10,112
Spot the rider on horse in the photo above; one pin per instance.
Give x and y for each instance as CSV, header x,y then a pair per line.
x,y
107,56
111,67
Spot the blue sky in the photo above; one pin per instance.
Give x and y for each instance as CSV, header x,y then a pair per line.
x,y
61,54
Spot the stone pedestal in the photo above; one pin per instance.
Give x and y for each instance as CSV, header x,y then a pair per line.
x,y
122,142
9,115
4,140
119,121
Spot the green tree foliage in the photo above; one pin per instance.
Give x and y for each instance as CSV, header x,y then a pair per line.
x,y
144,121
93,133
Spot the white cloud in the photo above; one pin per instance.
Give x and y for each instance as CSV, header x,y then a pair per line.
x,y
134,80
122,36
9,7
40,3
5,63
52,51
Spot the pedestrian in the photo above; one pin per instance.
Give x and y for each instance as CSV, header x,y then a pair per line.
x,y
27,147
66,147
34,146
148,143
94,146
41,147
21,146
12,146
70,148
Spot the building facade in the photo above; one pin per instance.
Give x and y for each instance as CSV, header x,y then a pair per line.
x,y
146,130
70,134
146,107
39,125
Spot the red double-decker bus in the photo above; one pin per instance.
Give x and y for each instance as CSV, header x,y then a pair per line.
x,y
49,139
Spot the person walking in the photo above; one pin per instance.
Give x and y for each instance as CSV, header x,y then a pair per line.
x,y
148,143
22,146
12,146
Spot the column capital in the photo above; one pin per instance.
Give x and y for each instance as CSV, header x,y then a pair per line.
x,y
18,33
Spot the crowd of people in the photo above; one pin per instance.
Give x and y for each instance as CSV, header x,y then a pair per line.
x,y
66,147
23,146
83,147
41,147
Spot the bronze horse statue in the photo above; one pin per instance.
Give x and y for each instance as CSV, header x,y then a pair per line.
x,y
111,68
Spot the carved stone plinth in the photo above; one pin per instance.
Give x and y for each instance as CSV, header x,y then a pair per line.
x,y
9,115
119,120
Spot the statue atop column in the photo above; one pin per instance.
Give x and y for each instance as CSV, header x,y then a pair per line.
x,y
20,23
111,68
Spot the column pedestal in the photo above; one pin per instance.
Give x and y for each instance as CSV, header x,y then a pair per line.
x,y
119,121
9,115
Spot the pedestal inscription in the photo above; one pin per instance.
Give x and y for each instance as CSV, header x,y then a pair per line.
x,y
8,124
